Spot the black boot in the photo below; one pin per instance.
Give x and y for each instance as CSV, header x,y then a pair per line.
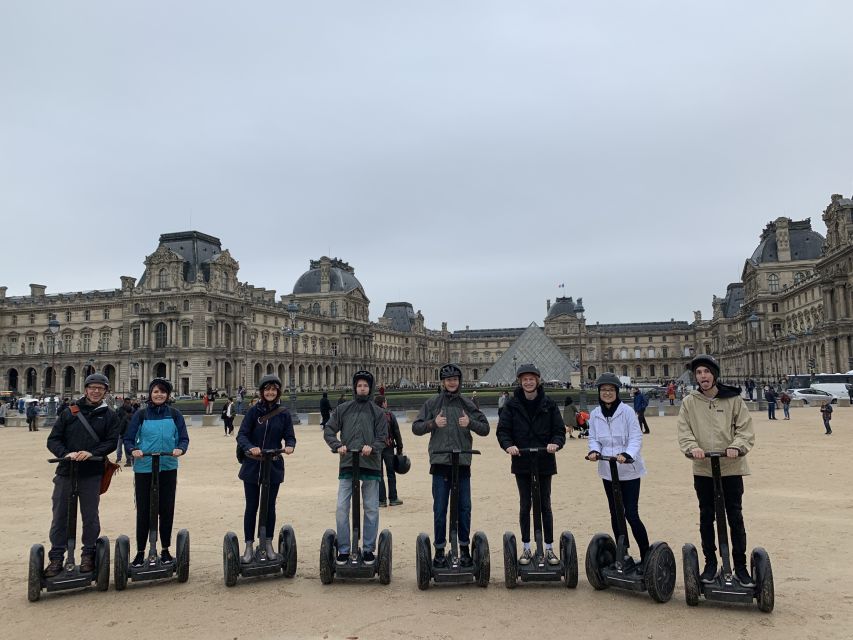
x,y
465,556
709,573
440,561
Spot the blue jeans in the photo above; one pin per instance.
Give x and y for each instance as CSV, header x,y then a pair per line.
x,y
786,408
370,504
441,486
239,408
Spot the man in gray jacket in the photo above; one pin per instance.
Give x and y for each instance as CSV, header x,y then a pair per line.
x,y
450,418
358,427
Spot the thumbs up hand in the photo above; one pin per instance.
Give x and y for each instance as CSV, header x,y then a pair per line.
x,y
441,420
464,421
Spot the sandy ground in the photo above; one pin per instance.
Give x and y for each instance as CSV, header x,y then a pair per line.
x,y
797,506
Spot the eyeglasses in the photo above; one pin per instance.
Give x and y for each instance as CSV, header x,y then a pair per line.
x,y
97,388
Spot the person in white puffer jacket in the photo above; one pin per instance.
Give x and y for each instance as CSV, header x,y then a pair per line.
x,y
614,431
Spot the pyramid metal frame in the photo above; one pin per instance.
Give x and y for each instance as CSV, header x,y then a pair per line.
x,y
531,346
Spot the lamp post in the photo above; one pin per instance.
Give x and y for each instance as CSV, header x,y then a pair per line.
x,y
579,315
754,321
293,333
514,365
53,326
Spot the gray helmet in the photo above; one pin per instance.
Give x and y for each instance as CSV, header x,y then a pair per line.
x,y
527,368
705,360
269,379
97,378
160,382
450,370
608,378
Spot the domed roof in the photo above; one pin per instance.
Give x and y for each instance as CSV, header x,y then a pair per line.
x,y
341,277
564,306
805,244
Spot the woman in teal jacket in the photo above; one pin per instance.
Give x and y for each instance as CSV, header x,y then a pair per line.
x,y
156,427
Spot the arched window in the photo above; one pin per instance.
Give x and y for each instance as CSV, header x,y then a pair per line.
x,y
773,282
316,309
163,279
638,372
624,370
160,335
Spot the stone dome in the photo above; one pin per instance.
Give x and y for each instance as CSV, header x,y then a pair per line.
x,y
341,277
564,306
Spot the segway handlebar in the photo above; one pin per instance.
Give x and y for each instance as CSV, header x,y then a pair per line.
x,y
151,454
533,450
716,454
451,451
92,459
628,460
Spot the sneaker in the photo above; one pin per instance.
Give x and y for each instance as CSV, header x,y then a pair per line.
x,y
709,573
465,559
526,557
383,503
87,563
551,557
138,560
395,502
368,558
440,560
166,557
742,576
53,569
342,558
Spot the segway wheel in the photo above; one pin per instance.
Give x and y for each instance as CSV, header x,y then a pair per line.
x,y
423,561
510,561
327,556
600,553
660,572
690,567
182,557
482,559
762,573
569,559
36,571
385,549
102,564
287,550
230,559
121,562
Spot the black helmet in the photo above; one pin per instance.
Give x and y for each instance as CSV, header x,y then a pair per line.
x,y
365,375
608,378
402,464
97,378
450,371
704,360
160,382
527,368
269,379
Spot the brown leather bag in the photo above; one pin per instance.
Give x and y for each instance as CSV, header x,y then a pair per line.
x,y
110,467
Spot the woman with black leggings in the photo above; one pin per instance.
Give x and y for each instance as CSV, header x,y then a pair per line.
x,y
615,432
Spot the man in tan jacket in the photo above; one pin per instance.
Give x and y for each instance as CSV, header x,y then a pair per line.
x,y
714,417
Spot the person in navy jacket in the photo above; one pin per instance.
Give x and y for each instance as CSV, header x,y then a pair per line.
x,y
267,425
640,405
159,428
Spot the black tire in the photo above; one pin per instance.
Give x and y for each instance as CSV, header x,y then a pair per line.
x,y
600,553
287,550
35,573
569,559
762,573
423,561
182,556
327,556
385,556
102,564
482,559
690,569
660,572
510,561
230,559
121,562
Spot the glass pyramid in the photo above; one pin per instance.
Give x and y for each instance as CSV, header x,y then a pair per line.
x,y
531,346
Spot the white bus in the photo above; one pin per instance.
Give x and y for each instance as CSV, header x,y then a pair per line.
x,y
835,383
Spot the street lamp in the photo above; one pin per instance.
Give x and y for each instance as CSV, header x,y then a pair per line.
x,y
579,315
53,326
293,333
514,365
754,321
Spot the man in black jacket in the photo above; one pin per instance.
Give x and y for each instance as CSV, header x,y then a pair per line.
x,y
393,440
530,419
70,439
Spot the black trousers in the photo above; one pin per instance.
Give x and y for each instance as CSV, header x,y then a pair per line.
x,y
733,491
166,513
253,501
631,504
525,495
641,417
388,463
228,424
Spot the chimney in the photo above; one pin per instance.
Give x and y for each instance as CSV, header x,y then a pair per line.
x,y
547,305
37,290
3,293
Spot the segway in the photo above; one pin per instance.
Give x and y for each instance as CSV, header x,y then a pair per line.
x,y
454,572
538,570
262,564
609,565
355,566
725,587
71,576
153,568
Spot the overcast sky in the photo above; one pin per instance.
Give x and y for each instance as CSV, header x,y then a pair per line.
x,y
467,157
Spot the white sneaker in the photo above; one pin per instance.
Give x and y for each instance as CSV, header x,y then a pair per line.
x,y
551,558
526,557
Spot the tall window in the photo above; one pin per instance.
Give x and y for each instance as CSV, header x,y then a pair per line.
x,y
333,309
104,342
106,314
228,338
773,282
665,353
160,335
31,344
185,335
87,315
67,316
334,348
135,337
210,337
651,352
163,279
66,343
87,342
186,305
32,318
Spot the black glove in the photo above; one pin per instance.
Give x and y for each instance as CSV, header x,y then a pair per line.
x,y
598,453
628,458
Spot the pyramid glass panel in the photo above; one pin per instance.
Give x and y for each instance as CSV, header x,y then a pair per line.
x,y
531,346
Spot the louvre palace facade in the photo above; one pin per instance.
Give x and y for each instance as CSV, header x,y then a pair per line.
x,y
190,319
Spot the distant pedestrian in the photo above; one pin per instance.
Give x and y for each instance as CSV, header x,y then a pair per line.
x,y
393,441
325,409
785,399
502,401
241,394
475,400
770,398
570,416
211,399
32,415
640,404
670,393
342,399
826,412
228,416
